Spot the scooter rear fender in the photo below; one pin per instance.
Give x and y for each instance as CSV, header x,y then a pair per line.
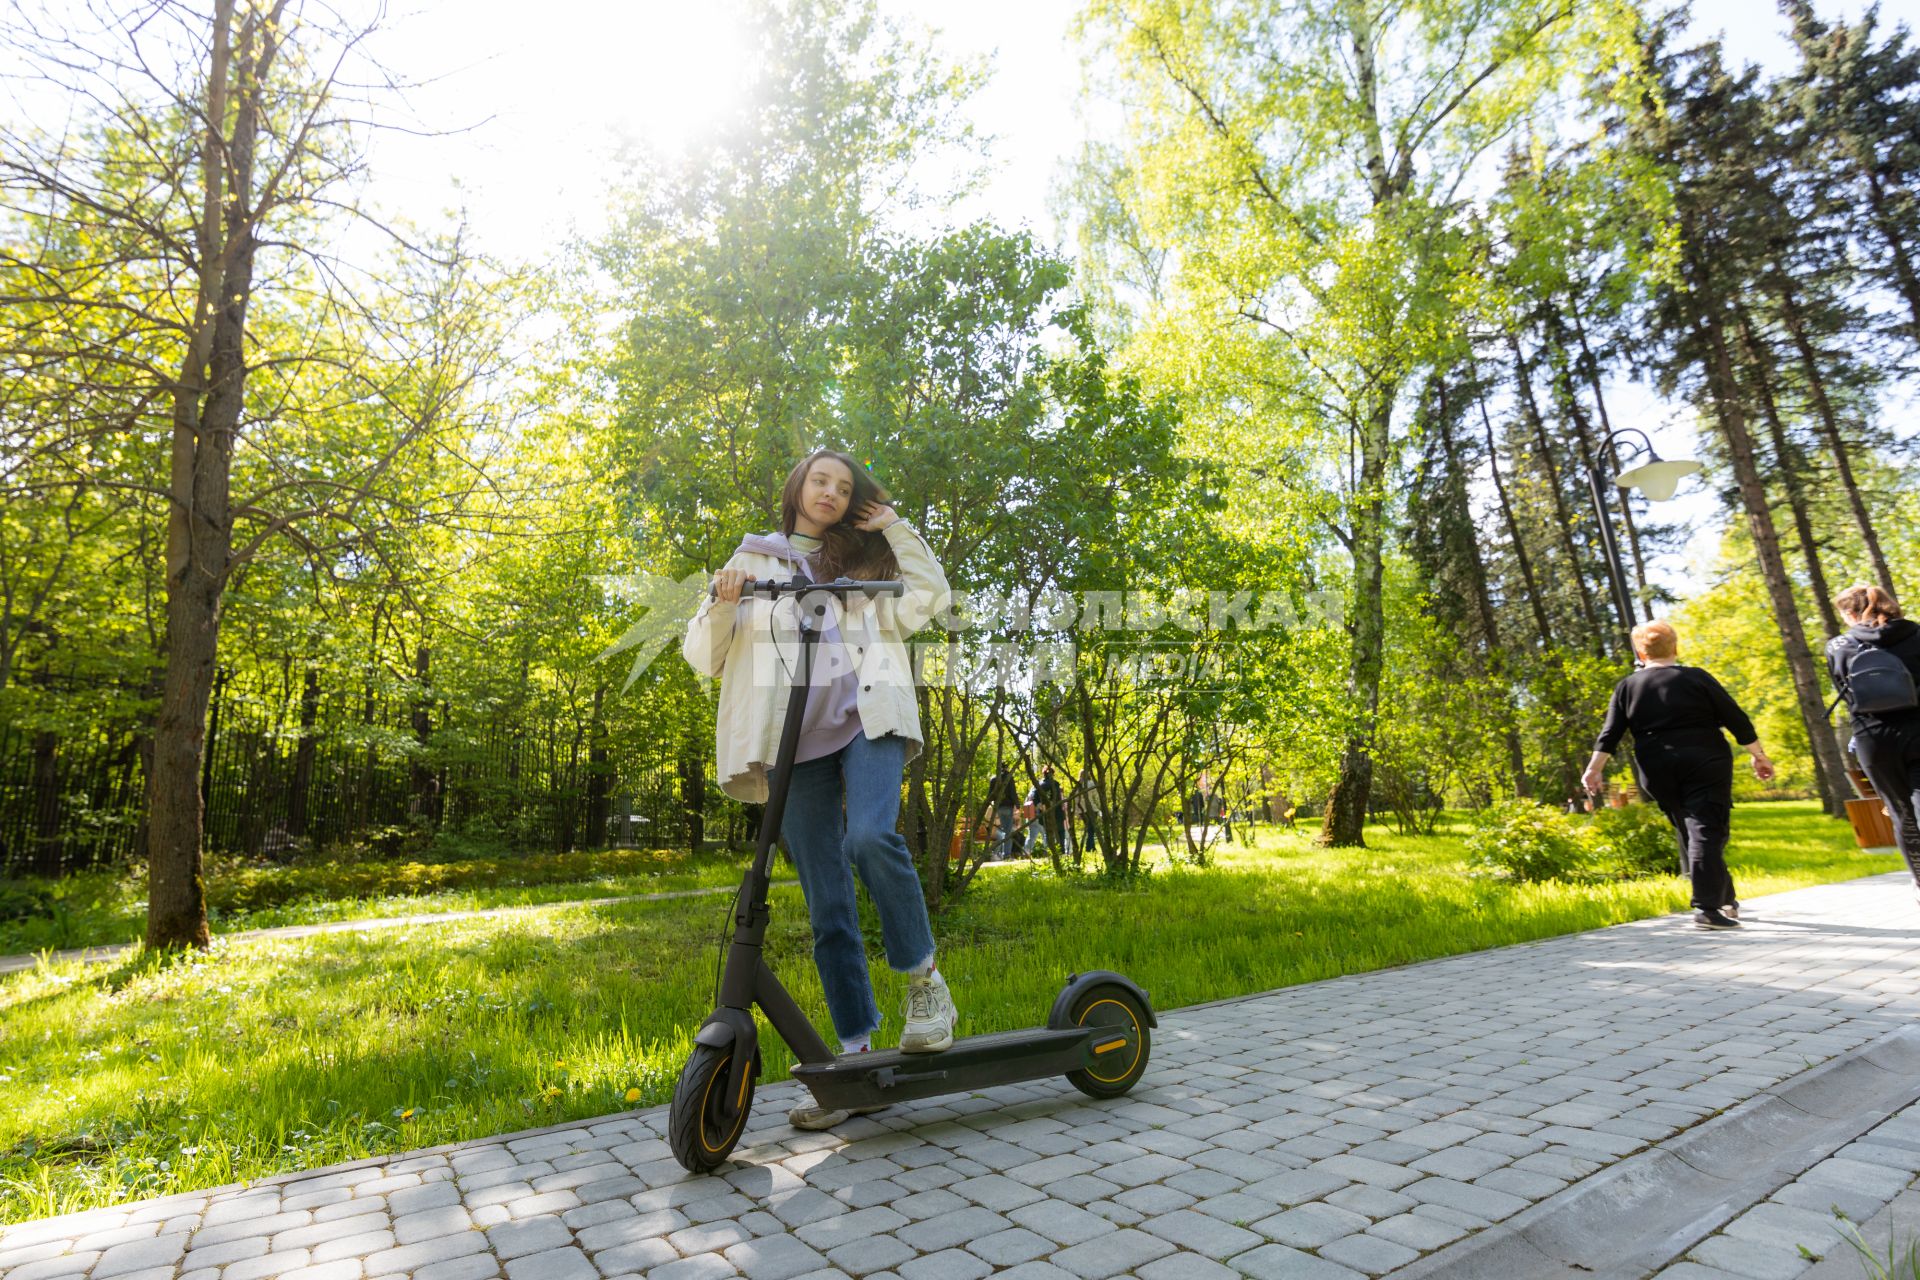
x,y
1082,982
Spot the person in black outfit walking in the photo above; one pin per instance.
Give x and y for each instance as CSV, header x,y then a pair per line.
x,y
1676,715
1887,741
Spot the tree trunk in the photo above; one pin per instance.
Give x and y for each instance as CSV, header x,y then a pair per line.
x,y
1792,476
206,416
598,780
1521,559
1829,770
1563,519
1906,283
693,794
303,755
1829,421
1590,368
420,779
1482,596
1346,814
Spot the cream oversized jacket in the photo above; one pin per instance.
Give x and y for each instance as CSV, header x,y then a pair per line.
x,y
751,648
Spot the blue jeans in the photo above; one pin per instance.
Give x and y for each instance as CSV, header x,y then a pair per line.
x,y
829,841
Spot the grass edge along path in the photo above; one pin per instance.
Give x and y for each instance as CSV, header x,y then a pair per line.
x,y
258,1058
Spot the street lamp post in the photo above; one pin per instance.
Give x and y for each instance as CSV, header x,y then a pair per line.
x,y
1655,477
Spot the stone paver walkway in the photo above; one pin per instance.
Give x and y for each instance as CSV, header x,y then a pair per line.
x,y
1813,1217
1339,1129
113,951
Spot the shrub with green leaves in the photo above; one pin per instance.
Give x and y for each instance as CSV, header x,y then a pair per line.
x,y
1635,840
1523,840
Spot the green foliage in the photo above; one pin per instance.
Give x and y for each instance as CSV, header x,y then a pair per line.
x,y
1633,840
1528,842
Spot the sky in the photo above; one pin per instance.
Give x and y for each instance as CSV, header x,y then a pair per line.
x,y
538,98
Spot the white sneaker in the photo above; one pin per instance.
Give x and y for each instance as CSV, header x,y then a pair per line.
x,y
930,1015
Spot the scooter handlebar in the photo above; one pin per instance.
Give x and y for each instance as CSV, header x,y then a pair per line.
x,y
774,588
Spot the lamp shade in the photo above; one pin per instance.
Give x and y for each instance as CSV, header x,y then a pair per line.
x,y
1657,478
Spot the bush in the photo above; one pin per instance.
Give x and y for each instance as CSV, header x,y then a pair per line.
x,y
1634,841
24,902
1522,840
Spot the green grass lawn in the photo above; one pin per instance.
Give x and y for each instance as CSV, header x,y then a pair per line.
x,y
104,907
267,1056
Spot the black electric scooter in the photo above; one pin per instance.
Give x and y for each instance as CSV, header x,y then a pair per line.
x,y
1097,1033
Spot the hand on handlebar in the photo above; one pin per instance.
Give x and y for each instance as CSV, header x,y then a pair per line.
x,y
727,584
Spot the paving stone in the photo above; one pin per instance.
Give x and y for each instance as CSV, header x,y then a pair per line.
x,y
1311,1225
1371,1202
267,1265
1786,1227
342,1269
1482,1202
140,1255
475,1266
1202,1233
1750,1258
1416,1231
430,1224
1297,1186
361,1245
410,1257
709,1237
995,1191
829,1233
1011,1247
1186,1266
948,1264
1368,1253
528,1235
1065,1224
869,1255
318,1233
240,1229
1111,1254
952,1229
554,1264
61,1268
1278,1262
780,1257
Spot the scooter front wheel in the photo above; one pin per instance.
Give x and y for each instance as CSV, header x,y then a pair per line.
x,y
704,1123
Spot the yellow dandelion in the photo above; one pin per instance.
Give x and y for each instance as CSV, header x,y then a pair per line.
x,y
552,1091
407,1114
559,1062
633,1095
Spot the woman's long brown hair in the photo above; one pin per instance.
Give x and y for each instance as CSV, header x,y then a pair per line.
x,y
845,552
1868,603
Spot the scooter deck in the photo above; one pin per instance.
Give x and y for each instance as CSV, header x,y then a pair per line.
x,y
975,1062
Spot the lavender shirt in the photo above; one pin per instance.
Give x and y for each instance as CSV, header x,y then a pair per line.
x,y
833,702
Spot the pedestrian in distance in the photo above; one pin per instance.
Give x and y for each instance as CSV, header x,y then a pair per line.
x,y
862,726
1875,665
1678,717
1003,799
1048,804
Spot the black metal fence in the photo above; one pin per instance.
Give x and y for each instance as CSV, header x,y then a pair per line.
x,y
286,769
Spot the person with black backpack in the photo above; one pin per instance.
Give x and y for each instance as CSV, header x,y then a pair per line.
x,y
1874,666
1677,716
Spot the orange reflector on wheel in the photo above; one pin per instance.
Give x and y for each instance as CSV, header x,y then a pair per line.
x,y
1110,1046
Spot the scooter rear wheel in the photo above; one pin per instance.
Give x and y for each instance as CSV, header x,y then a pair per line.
x,y
1118,1069
703,1124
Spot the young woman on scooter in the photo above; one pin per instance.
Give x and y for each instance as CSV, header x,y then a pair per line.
x,y
862,726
